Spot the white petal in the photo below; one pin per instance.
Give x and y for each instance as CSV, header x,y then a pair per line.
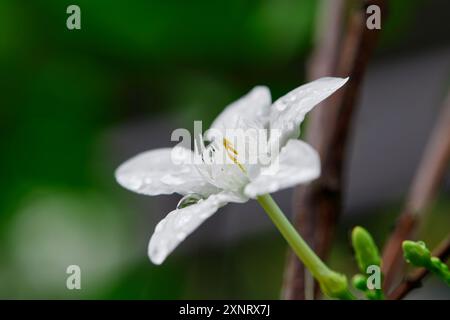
x,y
253,107
288,112
180,223
163,171
297,163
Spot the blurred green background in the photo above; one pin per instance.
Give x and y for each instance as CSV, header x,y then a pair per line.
x,y
64,92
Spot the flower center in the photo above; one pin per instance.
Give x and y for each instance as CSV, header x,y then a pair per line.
x,y
221,166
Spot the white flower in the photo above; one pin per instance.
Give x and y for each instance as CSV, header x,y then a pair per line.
x,y
209,183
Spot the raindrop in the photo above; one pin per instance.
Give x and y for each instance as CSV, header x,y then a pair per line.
x,y
172,180
189,200
134,182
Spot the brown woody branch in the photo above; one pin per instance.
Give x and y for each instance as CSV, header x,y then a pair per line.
x,y
414,279
423,190
317,206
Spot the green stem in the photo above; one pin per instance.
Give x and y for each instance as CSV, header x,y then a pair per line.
x,y
300,247
332,283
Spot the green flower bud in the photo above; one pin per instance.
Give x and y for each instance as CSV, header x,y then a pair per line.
x,y
440,268
416,253
360,282
366,251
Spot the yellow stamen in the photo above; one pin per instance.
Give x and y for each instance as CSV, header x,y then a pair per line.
x,y
229,148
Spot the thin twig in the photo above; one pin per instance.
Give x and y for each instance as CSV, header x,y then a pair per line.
x,y
423,190
414,279
317,206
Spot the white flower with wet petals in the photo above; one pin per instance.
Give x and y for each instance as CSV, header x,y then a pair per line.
x,y
209,183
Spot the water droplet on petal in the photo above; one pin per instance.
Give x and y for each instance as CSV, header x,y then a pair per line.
x,y
181,236
172,180
134,183
189,200
182,220
147,180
